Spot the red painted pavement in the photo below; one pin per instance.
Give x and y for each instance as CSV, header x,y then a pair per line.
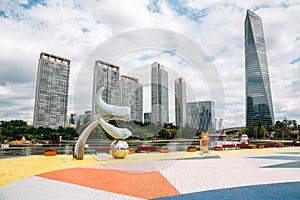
x,y
145,185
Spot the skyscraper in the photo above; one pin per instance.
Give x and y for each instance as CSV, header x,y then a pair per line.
x,y
258,90
159,94
132,96
51,97
106,75
201,115
180,102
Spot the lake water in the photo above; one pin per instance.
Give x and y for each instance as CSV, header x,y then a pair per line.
x,y
91,149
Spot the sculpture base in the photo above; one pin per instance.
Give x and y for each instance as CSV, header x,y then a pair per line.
x,y
119,149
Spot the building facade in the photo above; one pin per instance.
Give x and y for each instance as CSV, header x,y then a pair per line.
x,y
201,115
159,94
52,87
180,102
87,117
131,95
106,75
259,106
147,117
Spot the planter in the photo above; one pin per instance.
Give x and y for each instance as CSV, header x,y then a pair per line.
x,y
50,152
261,146
280,145
131,151
218,148
253,147
164,150
191,149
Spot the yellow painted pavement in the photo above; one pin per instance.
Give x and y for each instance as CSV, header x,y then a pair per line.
x,y
13,169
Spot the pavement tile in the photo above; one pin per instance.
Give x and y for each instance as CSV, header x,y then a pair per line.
x,y
154,175
37,188
142,185
287,191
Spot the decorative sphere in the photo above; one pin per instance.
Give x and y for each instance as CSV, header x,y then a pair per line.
x,y
119,149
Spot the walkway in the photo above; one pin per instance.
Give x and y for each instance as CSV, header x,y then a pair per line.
x,y
234,174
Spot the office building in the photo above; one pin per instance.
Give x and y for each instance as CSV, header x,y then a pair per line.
x,y
106,75
201,115
180,102
159,94
85,118
52,87
258,90
131,95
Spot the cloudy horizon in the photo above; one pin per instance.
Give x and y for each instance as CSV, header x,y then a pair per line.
x,y
74,29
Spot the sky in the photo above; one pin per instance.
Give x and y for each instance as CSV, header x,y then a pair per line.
x,y
213,30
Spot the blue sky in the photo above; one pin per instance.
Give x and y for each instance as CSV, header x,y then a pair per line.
x,y
75,28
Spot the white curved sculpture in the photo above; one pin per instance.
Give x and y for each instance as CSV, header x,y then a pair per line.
x,y
79,147
115,132
110,110
119,134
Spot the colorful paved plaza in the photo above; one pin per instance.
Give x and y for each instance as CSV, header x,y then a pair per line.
x,y
272,173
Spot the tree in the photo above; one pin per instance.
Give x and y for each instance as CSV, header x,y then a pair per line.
x,y
241,132
251,130
261,130
163,133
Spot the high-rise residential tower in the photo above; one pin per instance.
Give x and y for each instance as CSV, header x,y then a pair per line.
x,y
132,96
258,90
180,102
159,94
106,75
52,87
201,115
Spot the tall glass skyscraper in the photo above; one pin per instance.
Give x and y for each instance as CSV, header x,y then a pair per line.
x,y
51,97
258,90
159,94
180,102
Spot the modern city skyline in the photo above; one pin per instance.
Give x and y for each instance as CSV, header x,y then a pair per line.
x,y
26,32
180,102
159,94
131,95
52,87
259,106
106,75
201,115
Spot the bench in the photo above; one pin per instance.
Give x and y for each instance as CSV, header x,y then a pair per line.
x,y
229,146
146,148
238,146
